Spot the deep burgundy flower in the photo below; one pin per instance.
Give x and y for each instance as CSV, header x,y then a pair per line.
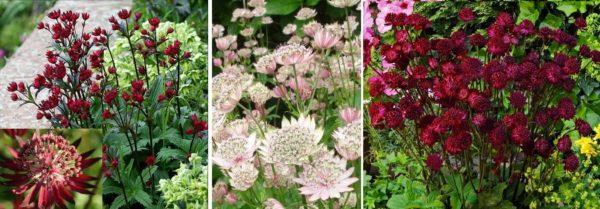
x,y
422,46
585,51
428,137
457,143
580,23
543,148
466,14
566,109
479,102
377,113
418,72
525,28
124,14
110,96
46,170
418,22
54,14
571,162
12,86
497,46
444,46
154,21
150,160
376,86
477,40
497,137
517,99
520,135
583,127
564,144
106,114
434,162
393,119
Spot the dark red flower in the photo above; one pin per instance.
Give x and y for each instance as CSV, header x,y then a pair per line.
x,y
393,119
479,102
477,40
106,114
150,160
466,14
580,23
497,137
517,100
564,144
566,109
377,113
154,21
457,143
46,170
422,46
571,162
520,135
543,148
12,86
434,162
525,28
583,127
54,14
124,14
428,137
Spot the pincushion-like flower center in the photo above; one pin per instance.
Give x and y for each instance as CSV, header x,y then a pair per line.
x,y
291,145
50,159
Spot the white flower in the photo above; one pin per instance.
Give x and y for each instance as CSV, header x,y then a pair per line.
x,y
235,151
293,143
348,139
289,29
273,204
256,3
266,64
326,178
266,20
279,175
243,176
306,13
259,93
218,31
247,32
292,54
342,3
226,96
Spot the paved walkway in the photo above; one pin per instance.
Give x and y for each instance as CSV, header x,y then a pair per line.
x,y
29,59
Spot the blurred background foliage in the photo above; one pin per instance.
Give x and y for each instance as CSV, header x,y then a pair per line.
x,y
195,12
17,19
91,139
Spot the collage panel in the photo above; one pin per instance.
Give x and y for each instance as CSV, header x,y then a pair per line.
x,y
136,70
487,104
46,168
286,120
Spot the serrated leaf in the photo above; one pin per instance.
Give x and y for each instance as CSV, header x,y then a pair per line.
x,y
143,198
118,202
166,154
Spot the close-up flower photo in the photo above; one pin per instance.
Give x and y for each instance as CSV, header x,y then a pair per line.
x,y
50,168
285,112
481,104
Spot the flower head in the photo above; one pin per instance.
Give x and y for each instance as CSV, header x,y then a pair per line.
x,y
293,143
325,39
273,204
235,151
587,146
50,169
348,140
292,54
326,178
243,176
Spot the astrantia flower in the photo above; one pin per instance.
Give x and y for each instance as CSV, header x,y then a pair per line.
x,y
466,14
293,143
457,143
348,139
306,13
278,175
324,39
583,127
292,54
259,93
243,176
343,3
543,148
434,162
571,162
326,178
50,169
564,144
272,204
235,151
266,64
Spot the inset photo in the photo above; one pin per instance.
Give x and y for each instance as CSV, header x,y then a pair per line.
x,y
58,168
286,104
489,104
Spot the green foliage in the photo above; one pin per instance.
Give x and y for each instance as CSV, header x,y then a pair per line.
x,y
195,72
189,187
195,12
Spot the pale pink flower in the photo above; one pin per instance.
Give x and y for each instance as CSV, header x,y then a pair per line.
x,y
231,198
225,42
306,13
350,114
217,62
326,178
235,151
292,54
300,86
266,64
243,176
324,39
348,140
278,175
273,204
293,143
311,28
280,92
219,190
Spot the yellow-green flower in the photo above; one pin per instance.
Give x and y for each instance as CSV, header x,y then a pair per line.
x,y
587,146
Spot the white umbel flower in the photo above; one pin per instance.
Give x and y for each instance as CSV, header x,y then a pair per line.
x,y
235,151
293,143
306,13
326,178
243,176
348,139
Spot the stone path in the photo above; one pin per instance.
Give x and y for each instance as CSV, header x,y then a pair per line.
x,y
29,59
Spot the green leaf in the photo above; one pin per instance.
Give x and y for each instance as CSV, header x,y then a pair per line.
x,y
568,9
118,202
143,198
455,201
552,21
528,11
166,154
282,7
312,2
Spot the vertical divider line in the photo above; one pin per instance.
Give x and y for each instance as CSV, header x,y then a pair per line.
x,y
209,67
362,75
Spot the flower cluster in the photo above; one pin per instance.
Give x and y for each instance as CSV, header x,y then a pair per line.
x,y
492,100
271,108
